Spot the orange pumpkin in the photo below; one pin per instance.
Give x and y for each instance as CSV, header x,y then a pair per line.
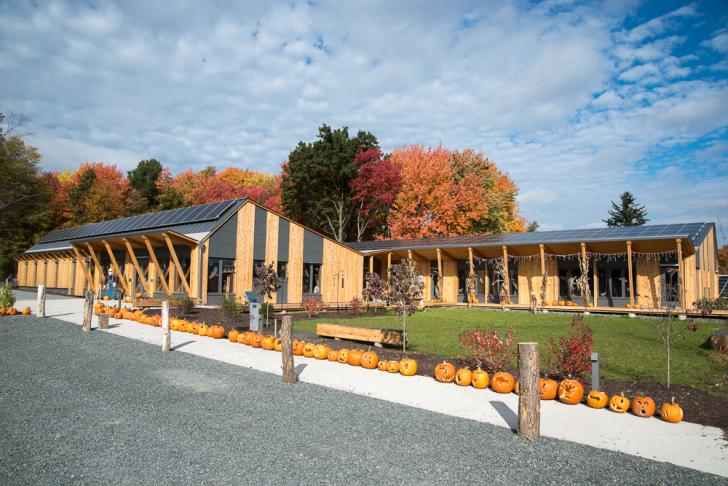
x,y
516,390
355,357
671,412
216,332
243,338
408,367
298,347
257,340
480,379
382,366
173,325
321,351
393,367
202,330
308,350
643,406
570,391
445,372
26,311
463,377
503,382
118,315
619,403
233,336
193,328
597,399
267,343
547,388
333,354
277,345
343,356
106,297
370,360
562,303
12,311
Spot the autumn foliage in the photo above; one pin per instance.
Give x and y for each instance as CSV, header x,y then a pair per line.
x,y
490,349
571,354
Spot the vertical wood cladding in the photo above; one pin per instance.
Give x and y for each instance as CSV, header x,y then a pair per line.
x,y
649,290
449,280
295,264
529,279
340,263
271,243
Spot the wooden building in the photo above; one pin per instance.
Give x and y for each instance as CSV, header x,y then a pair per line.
x,y
205,252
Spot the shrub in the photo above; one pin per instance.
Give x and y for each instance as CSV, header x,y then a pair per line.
x,y
707,306
374,288
7,298
232,309
491,350
184,304
571,354
356,305
312,306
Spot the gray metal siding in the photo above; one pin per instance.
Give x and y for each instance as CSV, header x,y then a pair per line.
x,y
284,233
222,242
313,248
259,232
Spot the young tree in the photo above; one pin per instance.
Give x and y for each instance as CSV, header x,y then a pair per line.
x,y
627,212
144,179
373,191
405,292
266,284
374,288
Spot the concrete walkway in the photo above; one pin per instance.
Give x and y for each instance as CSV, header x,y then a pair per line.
x,y
684,444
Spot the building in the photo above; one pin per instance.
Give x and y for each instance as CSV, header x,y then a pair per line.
x,y
210,250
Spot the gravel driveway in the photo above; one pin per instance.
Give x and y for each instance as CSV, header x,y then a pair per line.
x,y
102,409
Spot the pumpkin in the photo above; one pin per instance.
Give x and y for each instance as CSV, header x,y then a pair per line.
x,y
503,382
118,315
671,412
278,345
408,366
268,342
370,360
193,327
570,391
298,347
257,340
562,303
643,406
243,338
597,399
12,311
308,350
343,356
139,295
321,351
393,367
619,403
333,354
106,297
516,390
480,379
26,311
355,357
547,388
173,325
464,377
233,335
202,330
445,372
382,365
216,332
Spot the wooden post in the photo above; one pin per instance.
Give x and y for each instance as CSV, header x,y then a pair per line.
x,y
680,273
41,301
138,268
80,260
529,403
409,254
629,273
439,274
104,321
289,371
157,267
471,270
98,271
389,263
506,277
585,262
182,275
88,310
371,263
543,258
166,336
595,276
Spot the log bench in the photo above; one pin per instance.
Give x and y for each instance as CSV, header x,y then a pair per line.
x,y
365,334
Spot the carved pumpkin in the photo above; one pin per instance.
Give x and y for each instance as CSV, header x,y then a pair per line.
x,y
202,330
570,391
321,351
643,406
463,377
619,403
503,382
333,354
308,350
597,399
118,315
12,311
445,372
256,340
370,360
193,327
26,311
480,379
382,366
343,356
547,388
298,347
233,336
277,345
393,367
355,357
243,338
408,367
267,343
671,412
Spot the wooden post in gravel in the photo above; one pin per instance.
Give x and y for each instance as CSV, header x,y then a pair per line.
x,y
41,300
289,371
88,311
104,321
529,403
166,336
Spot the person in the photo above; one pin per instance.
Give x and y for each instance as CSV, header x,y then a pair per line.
x,y
110,284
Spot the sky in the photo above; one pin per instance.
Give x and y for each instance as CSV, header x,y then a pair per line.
x,y
578,101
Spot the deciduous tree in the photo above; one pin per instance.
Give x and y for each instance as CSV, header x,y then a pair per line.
x,y
373,190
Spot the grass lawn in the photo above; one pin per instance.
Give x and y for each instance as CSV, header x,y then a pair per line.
x,y
629,349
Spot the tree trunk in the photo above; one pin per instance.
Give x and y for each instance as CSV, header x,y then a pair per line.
x,y
289,371
88,311
668,366
404,331
166,335
41,301
529,403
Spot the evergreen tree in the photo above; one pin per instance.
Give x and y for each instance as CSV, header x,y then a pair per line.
x,y
627,213
144,179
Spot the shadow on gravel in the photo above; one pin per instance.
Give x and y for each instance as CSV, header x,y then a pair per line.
x,y
506,413
180,345
61,315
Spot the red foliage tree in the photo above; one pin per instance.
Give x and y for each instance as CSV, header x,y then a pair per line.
x,y
373,191
571,354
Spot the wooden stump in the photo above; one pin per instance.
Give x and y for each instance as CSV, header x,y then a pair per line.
x,y
88,311
104,321
166,335
41,300
529,403
289,371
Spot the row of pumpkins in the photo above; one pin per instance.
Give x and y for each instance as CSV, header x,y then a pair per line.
x,y
12,311
570,392
139,316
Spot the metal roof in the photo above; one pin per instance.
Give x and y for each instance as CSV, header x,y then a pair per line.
x,y
696,232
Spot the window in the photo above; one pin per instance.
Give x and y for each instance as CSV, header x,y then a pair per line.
x,y
228,275
435,278
311,278
213,276
282,270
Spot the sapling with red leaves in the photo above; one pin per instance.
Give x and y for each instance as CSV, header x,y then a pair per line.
x,y
571,354
491,350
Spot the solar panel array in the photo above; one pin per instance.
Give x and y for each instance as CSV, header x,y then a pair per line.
x,y
695,231
160,219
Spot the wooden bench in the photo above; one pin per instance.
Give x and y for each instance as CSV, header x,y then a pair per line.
x,y
146,303
366,334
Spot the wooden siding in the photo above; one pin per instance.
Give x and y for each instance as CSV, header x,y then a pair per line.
x,y
271,243
244,250
449,280
649,283
295,264
340,262
529,279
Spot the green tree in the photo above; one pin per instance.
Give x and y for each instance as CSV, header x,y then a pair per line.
x,y
144,179
723,259
77,195
316,181
25,210
627,212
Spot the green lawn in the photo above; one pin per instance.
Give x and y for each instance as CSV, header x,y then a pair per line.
x,y
629,349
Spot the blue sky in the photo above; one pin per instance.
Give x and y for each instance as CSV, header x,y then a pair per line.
x,y
577,101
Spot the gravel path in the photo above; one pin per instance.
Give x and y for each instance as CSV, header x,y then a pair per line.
x,y
101,409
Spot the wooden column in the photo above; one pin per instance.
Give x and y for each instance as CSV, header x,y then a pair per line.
x,y
439,274
371,264
176,263
507,277
471,269
140,273
529,403
629,273
157,267
680,273
409,254
586,262
289,371
119,274
543,259
97,276
595,275
80,260
389,263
